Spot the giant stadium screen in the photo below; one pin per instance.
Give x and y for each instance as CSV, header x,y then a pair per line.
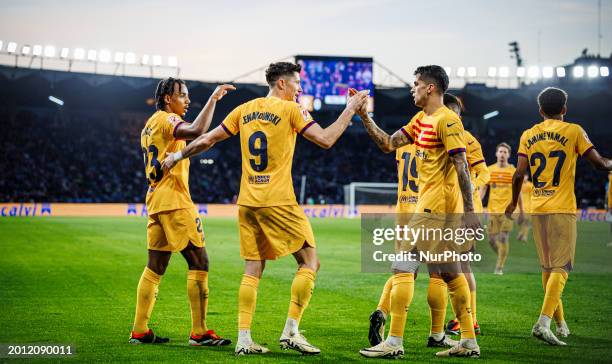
x,y
326,80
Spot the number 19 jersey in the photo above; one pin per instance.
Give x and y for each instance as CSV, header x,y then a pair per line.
x,y
551,148
268,127
168,191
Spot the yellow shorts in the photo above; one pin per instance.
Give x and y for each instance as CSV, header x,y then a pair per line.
x,y
499,223
555,240
272,232
171,231
436,241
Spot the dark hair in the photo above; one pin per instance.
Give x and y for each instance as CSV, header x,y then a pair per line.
x,y
165,87
504,145
434,74
552,100
450,99
280,69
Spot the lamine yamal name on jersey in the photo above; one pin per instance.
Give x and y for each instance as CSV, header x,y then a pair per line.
x,y
547,135
264,116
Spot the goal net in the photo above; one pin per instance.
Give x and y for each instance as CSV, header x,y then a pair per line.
x,y
369,193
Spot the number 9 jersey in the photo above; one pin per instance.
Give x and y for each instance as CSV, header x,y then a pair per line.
x,y
268,127
170,191
551,148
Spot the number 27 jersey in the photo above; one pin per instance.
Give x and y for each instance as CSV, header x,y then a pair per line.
x,y
551,148
268,127
168,191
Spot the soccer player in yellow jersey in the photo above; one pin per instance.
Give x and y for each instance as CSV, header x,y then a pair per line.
x,y
526,192
407,197
549,150
500,194
437,133
173,224
270,221
480,176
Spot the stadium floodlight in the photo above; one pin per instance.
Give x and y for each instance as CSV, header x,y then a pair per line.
x,y
604,71
578,71
79,54
520,72
56,100
157,60
593,71
471,71
547,72
490,115
64,52
119,57
560,72
461,72
104,56
504,72
11,47
492,72
173,62
92,55
25,50
49,51
130,58
533,72
37,50
145,59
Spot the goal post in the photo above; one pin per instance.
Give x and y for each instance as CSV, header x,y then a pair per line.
x,y
369,193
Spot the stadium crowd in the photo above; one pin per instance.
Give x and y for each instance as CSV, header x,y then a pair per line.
x,y
98,159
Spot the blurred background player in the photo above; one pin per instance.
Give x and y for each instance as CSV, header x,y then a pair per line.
x,y
173,224
407,197
480,176
549,150
271,223
500,194
437,133
526,192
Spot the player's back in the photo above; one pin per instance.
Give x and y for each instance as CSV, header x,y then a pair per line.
x,y
169,191
552,148
268,127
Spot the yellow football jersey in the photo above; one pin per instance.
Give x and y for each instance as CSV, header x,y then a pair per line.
x,y
479,175
436,137
526,192
407,178
168,191
551,148
500,188
268,127
610,190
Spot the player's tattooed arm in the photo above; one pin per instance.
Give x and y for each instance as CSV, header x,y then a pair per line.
x,y
517,184
201,144
465,184
387,143
202,122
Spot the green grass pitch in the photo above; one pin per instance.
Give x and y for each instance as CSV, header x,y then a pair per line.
x,y
73,281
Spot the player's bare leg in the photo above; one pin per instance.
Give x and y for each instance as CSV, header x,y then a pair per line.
x,y
301,292
146,297
503,247
197,289
247,300
493,242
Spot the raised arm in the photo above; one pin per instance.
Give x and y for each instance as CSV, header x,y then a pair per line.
x,y
203,143
202,122
517,184
387,143
327,137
